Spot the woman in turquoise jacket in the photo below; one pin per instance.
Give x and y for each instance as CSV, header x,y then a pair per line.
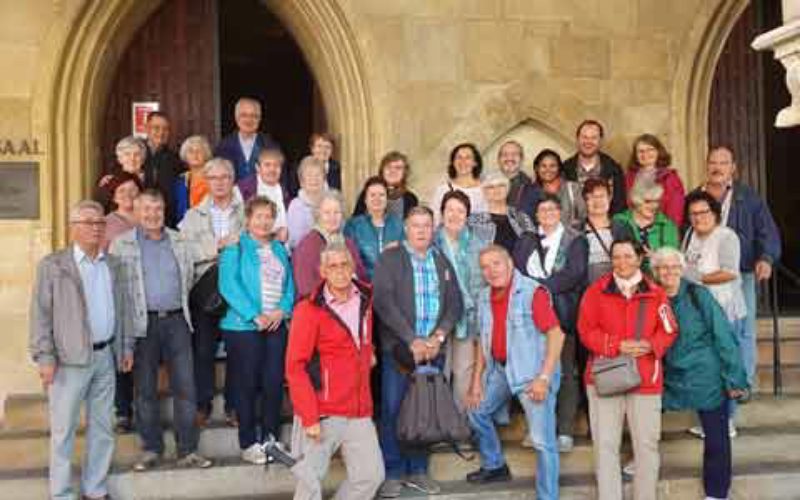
x,y
375,229
703,370
255,279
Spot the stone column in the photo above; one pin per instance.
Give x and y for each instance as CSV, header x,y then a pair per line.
x,y
785,42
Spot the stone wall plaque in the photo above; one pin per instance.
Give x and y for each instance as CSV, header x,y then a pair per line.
x,y
19,190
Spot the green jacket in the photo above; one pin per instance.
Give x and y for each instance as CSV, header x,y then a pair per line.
x,y
664,233
704,362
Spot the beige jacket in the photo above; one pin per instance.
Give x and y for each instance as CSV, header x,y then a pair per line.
x,y
59,323
126,247
197,230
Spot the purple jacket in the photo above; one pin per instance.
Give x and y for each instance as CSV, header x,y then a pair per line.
x,y
305,261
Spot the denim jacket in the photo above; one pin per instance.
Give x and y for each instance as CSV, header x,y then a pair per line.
x,y
240,283
527,346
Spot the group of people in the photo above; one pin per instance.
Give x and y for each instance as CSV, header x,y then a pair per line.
x,y
511,284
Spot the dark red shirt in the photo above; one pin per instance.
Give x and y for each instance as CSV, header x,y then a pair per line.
x,y
544,317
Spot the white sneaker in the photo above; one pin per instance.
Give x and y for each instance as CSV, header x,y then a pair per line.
x,y
526,441
732,429
565,443
254,454
696,431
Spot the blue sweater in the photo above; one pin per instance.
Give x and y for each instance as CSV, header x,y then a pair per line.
x,y
240,283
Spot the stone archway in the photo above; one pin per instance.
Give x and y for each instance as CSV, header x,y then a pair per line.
x,y
83,55
691,94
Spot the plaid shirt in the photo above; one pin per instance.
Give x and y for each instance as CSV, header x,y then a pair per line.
x,y
426,292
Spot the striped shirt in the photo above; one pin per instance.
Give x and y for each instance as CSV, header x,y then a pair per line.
x,y
221,220
272,273
426,292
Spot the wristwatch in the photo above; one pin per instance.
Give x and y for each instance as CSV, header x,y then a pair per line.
x,y
440,337
544,376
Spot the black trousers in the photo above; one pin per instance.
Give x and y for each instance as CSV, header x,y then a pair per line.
x,y
716,451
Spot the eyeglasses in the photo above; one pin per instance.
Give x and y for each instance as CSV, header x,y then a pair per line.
x,y
92,223
698,213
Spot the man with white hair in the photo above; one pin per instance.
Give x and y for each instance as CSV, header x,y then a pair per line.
x,y
80,331
331,347
207,228
243,146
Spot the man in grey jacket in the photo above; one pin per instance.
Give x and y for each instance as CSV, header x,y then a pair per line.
x,y
159,272
418,300
80,329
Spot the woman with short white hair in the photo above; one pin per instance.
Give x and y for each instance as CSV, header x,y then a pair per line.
x,y
191,187
131,153
327,228
703,370
645,221
300,214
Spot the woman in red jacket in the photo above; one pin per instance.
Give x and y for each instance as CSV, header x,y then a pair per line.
x,y
651,161
607,320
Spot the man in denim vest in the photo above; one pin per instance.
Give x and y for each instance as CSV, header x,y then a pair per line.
x,y
521,344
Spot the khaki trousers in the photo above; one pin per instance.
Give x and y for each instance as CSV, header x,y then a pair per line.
x,y
360,450
607,416
460,364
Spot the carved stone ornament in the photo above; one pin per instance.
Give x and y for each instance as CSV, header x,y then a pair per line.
x,y
785,42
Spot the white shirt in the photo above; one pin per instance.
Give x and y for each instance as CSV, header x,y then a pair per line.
x,y
274,193
98,291
247,144
718,251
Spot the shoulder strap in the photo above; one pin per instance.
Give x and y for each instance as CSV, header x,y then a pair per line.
x,y
640,319
599,239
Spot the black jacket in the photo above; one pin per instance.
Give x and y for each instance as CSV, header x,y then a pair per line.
x,y
609,169
570,273
393,292
161,167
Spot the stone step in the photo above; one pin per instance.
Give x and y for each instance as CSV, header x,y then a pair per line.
x,y
790,373
788,327
22,450
789,349
764,463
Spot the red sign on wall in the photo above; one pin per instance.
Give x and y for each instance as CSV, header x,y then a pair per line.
x,y
140,112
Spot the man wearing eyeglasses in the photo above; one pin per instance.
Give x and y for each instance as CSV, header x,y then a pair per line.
x,y
80,333
242,147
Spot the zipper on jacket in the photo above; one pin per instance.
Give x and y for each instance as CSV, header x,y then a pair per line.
x,y
326,374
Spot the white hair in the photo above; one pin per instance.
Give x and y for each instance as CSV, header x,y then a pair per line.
x,y
645,190
664,254
77,208
336,246
495,177
219,163
309,162
329,195
246,100
192,141
130,142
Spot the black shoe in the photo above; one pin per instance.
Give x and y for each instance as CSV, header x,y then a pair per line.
x,y
483,476
274,450
124,425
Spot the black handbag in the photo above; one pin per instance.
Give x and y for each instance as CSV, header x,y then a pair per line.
x,y
620,374
205,296
428,414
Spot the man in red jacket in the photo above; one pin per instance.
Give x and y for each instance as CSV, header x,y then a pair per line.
x,y
328,363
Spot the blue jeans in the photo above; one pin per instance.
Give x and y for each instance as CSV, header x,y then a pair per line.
x,y
73,385
168,339
399,463
716,452
256,361
541,418
747,335
740,333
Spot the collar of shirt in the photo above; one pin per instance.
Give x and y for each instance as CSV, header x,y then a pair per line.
x,y
80,256
415,256
141,236
330,298
263,187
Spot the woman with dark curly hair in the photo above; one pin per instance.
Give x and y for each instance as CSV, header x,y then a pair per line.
x,y
463,174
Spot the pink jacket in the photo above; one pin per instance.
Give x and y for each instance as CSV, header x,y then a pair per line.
x,y
674,193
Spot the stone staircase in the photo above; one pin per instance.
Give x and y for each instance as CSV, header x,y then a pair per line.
x,y
766,453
